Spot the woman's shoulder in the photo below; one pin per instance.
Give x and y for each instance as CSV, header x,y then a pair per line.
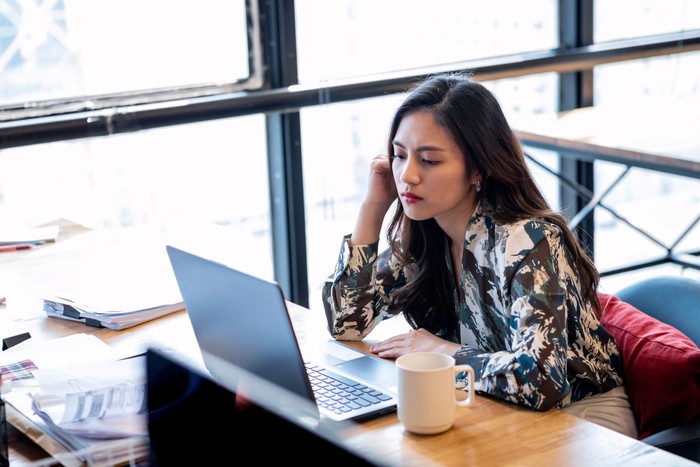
x,y
486,218
532,227
485,224
515,237
520,238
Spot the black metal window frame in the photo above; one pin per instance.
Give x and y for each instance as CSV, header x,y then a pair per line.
x,y
280,98
106,106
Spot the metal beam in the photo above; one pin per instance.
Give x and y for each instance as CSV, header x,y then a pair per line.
x,y
17,130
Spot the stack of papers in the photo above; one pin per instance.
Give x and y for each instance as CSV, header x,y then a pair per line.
x,y
124,312
126,284
118,300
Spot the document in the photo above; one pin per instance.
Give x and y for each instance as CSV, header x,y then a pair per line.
x,y
95,409
76,349
123,312
103,402
78,450
123,300
128,284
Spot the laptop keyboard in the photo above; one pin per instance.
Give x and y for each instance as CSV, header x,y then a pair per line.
x,y
338,394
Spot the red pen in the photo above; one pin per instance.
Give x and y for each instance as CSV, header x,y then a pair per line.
x,y
16,247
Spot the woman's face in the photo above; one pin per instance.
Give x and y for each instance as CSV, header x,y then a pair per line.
x,y
430,173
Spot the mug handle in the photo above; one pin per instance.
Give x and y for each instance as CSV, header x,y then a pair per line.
x,y
470,397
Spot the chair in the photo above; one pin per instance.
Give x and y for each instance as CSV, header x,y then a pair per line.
x,y
674,300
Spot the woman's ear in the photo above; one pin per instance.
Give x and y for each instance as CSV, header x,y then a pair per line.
x,y
476,181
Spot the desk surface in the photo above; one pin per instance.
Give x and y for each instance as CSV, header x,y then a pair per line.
x,y
488,433
659,135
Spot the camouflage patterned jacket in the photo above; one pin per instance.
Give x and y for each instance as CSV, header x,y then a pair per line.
x,y
524,326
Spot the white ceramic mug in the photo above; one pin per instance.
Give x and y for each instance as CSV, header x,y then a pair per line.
x,y
427,402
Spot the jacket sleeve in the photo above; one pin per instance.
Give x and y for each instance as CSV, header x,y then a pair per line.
x,y
358,294
531,368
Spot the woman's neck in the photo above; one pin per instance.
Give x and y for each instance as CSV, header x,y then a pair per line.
x,y
455,225
457,231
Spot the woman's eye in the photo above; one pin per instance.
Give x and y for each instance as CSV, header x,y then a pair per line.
x,y
400,156
429,162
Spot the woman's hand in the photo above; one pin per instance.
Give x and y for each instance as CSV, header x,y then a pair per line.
x,y
381,193
382,189
417,340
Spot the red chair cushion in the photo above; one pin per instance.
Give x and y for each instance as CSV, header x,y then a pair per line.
x,y
661,365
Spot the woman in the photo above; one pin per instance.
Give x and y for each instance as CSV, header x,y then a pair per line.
x,y
478,263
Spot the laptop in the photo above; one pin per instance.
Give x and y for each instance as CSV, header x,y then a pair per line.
x,y
244,320
186,407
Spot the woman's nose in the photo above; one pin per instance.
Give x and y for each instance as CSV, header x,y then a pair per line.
x,y
409,173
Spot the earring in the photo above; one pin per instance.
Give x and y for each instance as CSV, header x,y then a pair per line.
x,y
478,186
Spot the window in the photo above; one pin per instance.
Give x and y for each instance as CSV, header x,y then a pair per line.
x,y
365,37
625,19
72,54
210,177
113,58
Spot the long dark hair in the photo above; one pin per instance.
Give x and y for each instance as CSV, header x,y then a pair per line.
x,y
473,116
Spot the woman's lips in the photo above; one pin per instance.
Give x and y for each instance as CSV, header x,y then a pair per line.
x,y
410,198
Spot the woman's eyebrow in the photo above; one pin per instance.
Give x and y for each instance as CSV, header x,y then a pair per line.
x,y
419,148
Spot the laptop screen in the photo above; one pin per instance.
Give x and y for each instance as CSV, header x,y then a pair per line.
x,y
193,420
240,318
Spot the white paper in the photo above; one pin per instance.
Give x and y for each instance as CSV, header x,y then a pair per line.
x,y
75,349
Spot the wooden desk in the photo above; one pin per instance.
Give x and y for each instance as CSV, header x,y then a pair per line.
x,y
657,135
488,433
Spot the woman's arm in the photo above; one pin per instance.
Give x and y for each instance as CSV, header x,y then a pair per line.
x,y
358,294
356,297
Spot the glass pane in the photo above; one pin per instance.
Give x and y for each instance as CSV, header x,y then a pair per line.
x,y
336,166
669,76
625,19
529,95
662,205
206,183
336,162
53,49
350,38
